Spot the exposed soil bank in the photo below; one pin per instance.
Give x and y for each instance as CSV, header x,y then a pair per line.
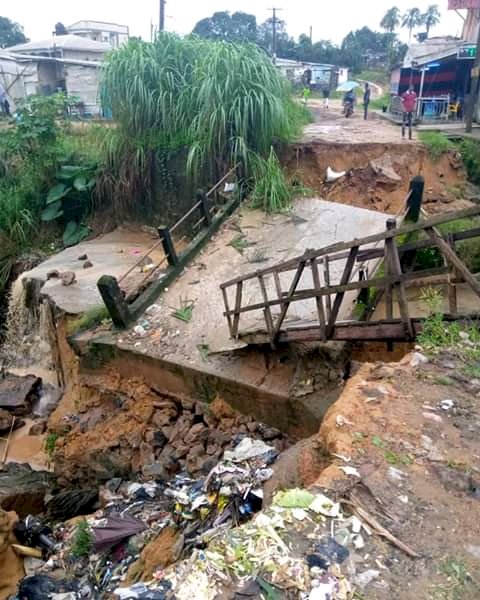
x,y
377,174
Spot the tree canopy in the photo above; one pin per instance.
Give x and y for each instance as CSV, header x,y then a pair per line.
x,y
11,33
357,50
431,17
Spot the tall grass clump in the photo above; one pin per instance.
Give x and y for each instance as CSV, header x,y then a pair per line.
x,y
470,151
216,101
270,190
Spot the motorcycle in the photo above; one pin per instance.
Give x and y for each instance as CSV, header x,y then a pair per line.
x,y
348,108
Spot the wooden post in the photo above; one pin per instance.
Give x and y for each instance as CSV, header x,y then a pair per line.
x,y
114,301
326,277
227,312
204,207
352,257
238,306
267,313
168,246
396,270
318,299
291,292
414,204
452,287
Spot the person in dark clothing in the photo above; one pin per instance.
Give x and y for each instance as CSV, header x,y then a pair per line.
x,y
366,100
326,97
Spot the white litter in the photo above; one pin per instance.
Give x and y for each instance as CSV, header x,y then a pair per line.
x,y
358,542
325,506
418,359
350,471
341,421
246,450
334,175
365,578
447,404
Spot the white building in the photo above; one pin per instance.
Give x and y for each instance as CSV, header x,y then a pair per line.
x,y
97,31
62,63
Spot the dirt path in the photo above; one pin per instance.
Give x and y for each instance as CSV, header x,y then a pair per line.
x,y
332,126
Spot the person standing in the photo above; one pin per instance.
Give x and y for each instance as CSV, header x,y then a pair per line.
x,y
4,104
366,100
409,104
326,97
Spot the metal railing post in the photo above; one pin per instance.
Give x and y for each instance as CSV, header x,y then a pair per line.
x,y
204,201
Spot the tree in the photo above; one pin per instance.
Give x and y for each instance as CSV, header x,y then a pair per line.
x,y
431,17
239,27
60,29
391,19
411,19
11,33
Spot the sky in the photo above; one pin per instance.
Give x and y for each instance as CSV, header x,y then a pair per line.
x,y
330,19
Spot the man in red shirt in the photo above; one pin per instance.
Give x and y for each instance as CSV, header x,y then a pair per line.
x,y
409,103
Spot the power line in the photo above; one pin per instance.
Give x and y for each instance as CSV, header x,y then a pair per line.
x,y
274,32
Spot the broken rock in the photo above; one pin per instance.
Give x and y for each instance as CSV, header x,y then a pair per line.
x,y
68,278
17,393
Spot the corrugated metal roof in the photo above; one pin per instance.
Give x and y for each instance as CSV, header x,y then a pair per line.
x,y
432,49
64,42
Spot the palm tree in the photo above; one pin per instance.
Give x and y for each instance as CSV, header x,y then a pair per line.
x,y
391,19
431,17
411,19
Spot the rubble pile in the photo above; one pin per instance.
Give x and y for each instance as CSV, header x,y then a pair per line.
x,y
152,436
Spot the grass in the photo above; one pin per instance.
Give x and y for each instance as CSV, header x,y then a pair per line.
x,y
219,100
436,143
271,191
470,151
239,243
459,583
50,443
380,102
185,312
82,542
90,319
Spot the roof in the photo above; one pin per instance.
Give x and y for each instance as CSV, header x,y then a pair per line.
x,y
432,49
64,42
98,26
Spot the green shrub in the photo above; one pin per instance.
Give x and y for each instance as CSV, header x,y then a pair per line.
x,y
436,143
470,151
50,443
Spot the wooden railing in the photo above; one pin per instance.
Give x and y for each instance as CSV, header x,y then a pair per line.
x,y
315,266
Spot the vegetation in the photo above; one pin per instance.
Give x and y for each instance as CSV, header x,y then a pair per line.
x,y
411,19
220,101
470,151
50,443
11,33
353,52
37,152
90,319
271,192
82,543
436,143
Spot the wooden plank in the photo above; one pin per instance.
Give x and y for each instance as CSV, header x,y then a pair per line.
x,y
319,299
356,331
452,288
227,312
340,246
267,312
454,260
286,303
326,276
238,306
400,287
278,286
413,279
340,295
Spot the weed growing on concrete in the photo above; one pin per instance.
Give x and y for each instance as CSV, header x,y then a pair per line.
x,y
271,190
82,540
239,243
185,312
90,319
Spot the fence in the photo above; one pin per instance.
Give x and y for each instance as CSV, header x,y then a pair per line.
x,y
308,278
203,220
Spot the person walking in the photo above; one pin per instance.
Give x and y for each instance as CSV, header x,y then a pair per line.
x,y
409,103
366,100
326,97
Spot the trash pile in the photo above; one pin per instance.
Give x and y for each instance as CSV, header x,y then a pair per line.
x,y
304,546
90,557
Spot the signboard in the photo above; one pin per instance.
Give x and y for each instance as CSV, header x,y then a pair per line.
x,y
459,4
467,52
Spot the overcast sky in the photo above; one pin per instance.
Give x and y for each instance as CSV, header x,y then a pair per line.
x,y
330,19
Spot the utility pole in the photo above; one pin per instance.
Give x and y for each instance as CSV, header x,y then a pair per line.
x,y
311,34
470,112
162,16
274,33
